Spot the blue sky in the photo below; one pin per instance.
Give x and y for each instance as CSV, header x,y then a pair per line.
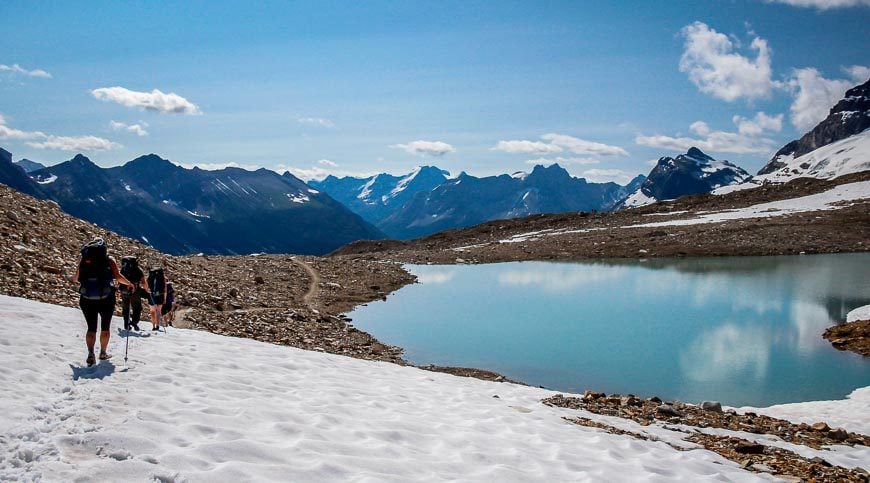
x,y
361,87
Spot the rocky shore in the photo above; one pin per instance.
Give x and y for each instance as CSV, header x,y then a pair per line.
x,y
851,336
724,432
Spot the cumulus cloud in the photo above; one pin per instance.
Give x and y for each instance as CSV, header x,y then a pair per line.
x,y
326,162
557,143
815,95
526,147
137,129
749,137
40,140
582,146
325,168
75,143
824,4
562,161
7,132
716,69
21,70
155,100
315,121
431,148
596,175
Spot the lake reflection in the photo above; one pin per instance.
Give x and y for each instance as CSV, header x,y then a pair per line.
x,y
741,330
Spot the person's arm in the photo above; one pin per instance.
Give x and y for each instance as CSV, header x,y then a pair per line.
x,y
75,278
144,284
117,273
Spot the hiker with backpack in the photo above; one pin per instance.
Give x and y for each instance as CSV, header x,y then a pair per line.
x,y
168,310
157,286
95,275
131,298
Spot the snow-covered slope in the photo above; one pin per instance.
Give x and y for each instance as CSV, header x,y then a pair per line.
x,y
194,406
850,155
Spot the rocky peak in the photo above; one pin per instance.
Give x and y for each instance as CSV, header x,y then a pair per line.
x,y
696,153
850,116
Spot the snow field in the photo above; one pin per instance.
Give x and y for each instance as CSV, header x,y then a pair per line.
x,y
195,406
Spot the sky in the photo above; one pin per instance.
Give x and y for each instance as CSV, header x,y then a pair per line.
x,y
354,88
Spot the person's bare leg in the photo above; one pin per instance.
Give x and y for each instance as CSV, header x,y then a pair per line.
x,y
104,342
90,339
155,321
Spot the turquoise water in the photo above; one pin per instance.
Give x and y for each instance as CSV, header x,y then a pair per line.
x,y
743,330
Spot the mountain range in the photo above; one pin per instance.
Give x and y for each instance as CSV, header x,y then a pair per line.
x,y
179,210
426,201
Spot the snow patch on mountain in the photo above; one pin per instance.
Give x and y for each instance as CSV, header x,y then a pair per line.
x,y
51,179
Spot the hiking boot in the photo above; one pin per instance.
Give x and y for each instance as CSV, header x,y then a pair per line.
x,y
154,328
104,356
136,327
91,360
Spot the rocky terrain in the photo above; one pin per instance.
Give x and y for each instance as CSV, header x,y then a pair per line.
x,y
573,236
698,421
270,297
851,336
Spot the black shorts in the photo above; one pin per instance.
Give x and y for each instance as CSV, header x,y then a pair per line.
x,y
165,309
156,300
94,309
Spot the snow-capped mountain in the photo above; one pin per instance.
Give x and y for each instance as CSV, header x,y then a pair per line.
x,y
14,176
377,196
687,174
468,200
181,210
836,146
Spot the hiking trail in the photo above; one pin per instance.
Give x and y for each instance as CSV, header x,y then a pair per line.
x,y
313,285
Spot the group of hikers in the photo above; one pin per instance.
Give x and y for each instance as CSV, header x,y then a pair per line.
x,y
96,274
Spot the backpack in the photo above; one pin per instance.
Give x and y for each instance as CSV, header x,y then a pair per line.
x,y
95,272
156,282
170,294
130,270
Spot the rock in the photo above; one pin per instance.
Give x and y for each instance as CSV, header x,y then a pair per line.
x,y
629,401
762,468
712,406
259,280
749,448
821,427
839,434
820,461
12,216
592,394
234,292
667,410
655,399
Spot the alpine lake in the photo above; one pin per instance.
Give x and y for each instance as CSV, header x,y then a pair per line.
x,y
741,330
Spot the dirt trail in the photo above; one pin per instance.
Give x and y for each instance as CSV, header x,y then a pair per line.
x,y
313,285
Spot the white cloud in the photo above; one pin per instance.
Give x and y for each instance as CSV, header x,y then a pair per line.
x,y
651,162
319,172
40,140
748,139
326,162
137,129
7,132
155,100
582,146
756,126
815,95
315,121
432,148
713,66
21,70
596,175
824,4
557,143
526,147
563,161
75,143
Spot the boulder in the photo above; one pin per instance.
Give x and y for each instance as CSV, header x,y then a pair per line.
x,y
712,406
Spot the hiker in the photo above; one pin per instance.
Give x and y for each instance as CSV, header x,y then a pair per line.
x,y
168,310
95,274
131,299
157,286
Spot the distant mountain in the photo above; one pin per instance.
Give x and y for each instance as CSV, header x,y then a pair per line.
x,y
178,210
376,197
29,166
14,176
687,174
836,146
467,200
